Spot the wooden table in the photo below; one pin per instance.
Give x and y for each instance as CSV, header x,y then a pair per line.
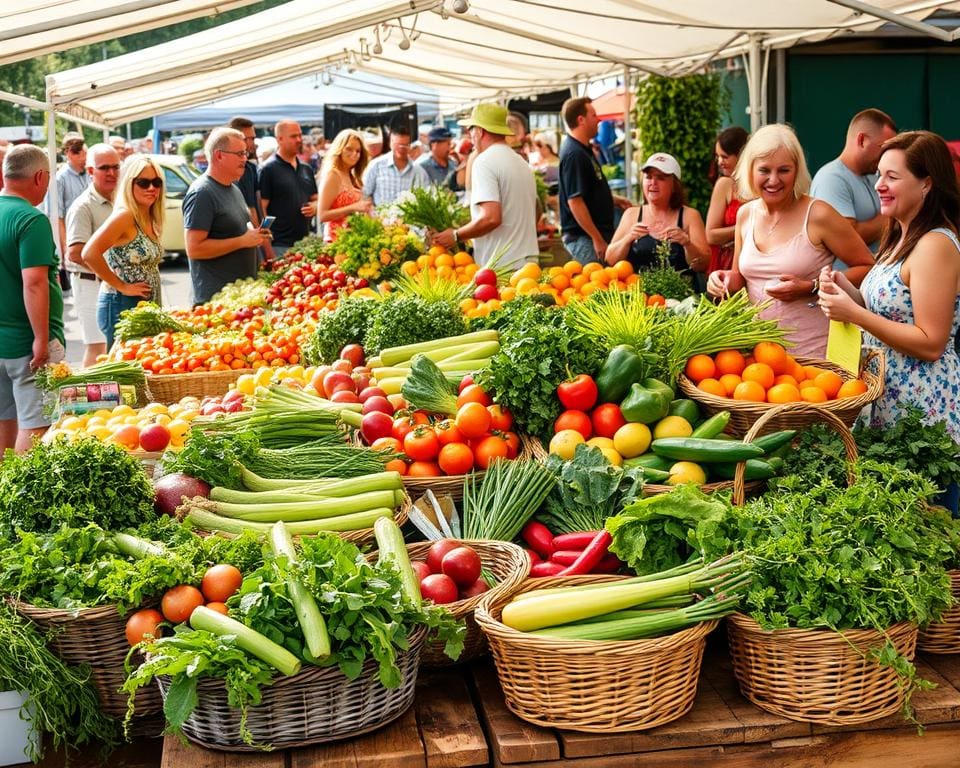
x,y
460,719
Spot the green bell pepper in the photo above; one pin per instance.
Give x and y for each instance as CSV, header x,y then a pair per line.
x,y
623,367
645,405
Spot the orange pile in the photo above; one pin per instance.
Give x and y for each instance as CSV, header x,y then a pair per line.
x,y
439,263
768,375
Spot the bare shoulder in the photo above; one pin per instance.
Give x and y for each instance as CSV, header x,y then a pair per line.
x,y
938,249
725,187
691,214
743,212
822,212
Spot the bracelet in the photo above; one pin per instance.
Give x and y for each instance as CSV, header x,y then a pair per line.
x,y
456,235
816,286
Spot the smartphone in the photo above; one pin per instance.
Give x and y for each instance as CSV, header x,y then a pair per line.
x,y
267,222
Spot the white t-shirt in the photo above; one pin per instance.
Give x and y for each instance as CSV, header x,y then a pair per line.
x,y
500,175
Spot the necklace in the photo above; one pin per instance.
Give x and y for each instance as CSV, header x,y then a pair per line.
x,y
774,225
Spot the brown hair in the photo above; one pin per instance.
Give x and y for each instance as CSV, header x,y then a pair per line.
x,y
927,157
732,140
573,109
239,123
875,118
678,193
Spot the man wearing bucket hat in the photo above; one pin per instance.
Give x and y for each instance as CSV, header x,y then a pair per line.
x,y
503,195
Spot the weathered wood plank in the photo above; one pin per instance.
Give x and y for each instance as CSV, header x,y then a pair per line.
x,y
179,755
339,754
142,753
396,746
947,666
710,722
449,724
511,739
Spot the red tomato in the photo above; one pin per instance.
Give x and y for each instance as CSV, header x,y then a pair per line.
x,y
473,420
500,418
218,607
513,444
447,432
178,603
473,394
353,353
439,589
424,469
142,623
396,465
455,459
577,420
465,382
607,419
421,443
401,426
462,565
220,582
436,552
488,449
389,444
578,393
421,569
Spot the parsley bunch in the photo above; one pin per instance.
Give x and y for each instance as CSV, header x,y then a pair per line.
x,y
404,319
347,324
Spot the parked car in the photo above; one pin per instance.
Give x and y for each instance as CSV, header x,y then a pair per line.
x,y
178,174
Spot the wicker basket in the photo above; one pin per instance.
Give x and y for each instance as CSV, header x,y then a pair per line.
x,y
944,636
593,686
818,676
94,636
170,388
743,413
508,563
314,706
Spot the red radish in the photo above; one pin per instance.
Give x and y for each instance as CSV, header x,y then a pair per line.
x,y
376,424
154,437
477,588
437,551
533,556
233,394
211,409
462,565
421,569
439,588
565,557
538,538
376,403
485,277
371,392
234,406
578,541
539,570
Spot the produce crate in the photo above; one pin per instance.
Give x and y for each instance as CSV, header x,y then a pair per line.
x,y
508,563
170,388
944,636
17,736
94,636
793,415
593,686
317,705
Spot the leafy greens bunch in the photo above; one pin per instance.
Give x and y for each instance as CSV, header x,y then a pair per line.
x,y
538,351
215,458
73,482
405,319
347,324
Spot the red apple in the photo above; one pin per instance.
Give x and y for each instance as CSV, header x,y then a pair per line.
x,y
461,564
360,380
353,353
154,437
335,381
342,365
485,277
344,396
377,403
371,392
486,292
376,424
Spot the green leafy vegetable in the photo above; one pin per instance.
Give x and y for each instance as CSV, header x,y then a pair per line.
x,y
434,207
215,457
426,387
663,278
404,319
73,482
347,324
147,319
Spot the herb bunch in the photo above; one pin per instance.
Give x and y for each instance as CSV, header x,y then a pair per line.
x,y
663,279
347,324
405,319
214,457
432,207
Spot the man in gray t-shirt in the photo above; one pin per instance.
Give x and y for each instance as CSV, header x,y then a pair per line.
x,y
221,242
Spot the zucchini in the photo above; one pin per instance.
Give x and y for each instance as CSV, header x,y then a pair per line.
x,y
701,449
713,426
757,469
649,460
393,550
775,440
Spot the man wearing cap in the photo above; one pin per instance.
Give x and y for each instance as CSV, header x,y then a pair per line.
x,y
439,165
390,175
586,203
503,195
71,180
87,214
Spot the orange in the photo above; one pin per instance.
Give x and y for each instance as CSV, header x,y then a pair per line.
x,y
623,269
772,354
462,258
730,361
806,383
813,394
573,267
829,382
851,388
589,287
600,277
783,393
593,266
700,367
409,268
812,371
761,373
632,280
712,387
579,280
729,382
798,372
444,260
750,390
508,294
526,286
785,378
127,435
560,281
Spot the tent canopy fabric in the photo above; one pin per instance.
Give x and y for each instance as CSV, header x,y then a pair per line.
x,y
495,49
612,104
303,99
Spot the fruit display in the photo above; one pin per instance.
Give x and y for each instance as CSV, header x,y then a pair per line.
x,y
370,249
311,287
438,264
451,572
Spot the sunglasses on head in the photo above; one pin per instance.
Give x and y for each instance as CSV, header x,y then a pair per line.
x,y
156,182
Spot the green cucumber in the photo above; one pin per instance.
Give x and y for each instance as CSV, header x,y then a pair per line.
x,y
686,409
650,460
713,426
775,440
701,449
656,476
757,469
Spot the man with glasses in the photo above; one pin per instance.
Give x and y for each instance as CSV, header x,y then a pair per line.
x,y
87,214
71,180
220,239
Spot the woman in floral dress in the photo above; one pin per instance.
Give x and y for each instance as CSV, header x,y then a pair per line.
x,y
125,253
341,182
909,303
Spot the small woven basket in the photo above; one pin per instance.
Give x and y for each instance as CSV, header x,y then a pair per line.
x,y
510,566
170,388
593,686
318,704
818,676
744,413
94,636
944,636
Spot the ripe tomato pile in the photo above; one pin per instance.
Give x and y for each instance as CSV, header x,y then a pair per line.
x,y
311,287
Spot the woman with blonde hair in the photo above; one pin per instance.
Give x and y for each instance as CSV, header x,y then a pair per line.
x,y
341,182
125,252
784,238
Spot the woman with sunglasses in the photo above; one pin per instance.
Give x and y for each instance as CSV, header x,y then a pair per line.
x,y
125,253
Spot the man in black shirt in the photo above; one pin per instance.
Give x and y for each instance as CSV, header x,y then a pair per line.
x,y
288,189
586,203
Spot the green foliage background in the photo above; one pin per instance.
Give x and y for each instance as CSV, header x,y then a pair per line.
x,y
682,116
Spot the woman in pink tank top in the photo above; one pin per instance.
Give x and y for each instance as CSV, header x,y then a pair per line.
x,y
784,237
341,182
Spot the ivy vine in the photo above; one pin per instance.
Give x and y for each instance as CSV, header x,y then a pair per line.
x,y
682,116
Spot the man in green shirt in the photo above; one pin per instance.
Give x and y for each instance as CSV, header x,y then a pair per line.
x,y
31,303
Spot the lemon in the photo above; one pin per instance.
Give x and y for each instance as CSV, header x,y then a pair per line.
x,y
71,424
686,472
123,410
672,426
632,440
612,456
601,443
246,383
178,429
565,442
263,376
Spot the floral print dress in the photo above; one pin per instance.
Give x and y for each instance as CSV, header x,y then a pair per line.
x,y
933,387
136,262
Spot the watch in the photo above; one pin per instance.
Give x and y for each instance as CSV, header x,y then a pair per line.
x,y
816,285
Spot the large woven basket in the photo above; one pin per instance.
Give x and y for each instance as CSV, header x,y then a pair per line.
x,y
743,413
818,676
508,564
94,636
593,686
944,636
314,706
170,388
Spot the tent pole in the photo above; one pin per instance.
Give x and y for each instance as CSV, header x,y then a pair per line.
x,y
753,82
627,131
53,199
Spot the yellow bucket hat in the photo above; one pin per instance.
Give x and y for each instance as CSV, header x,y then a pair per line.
x,y
491,117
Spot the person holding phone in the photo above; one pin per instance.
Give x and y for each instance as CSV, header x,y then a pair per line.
x,y
221,241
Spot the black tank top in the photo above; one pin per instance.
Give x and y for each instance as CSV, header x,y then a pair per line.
x,y
643,250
